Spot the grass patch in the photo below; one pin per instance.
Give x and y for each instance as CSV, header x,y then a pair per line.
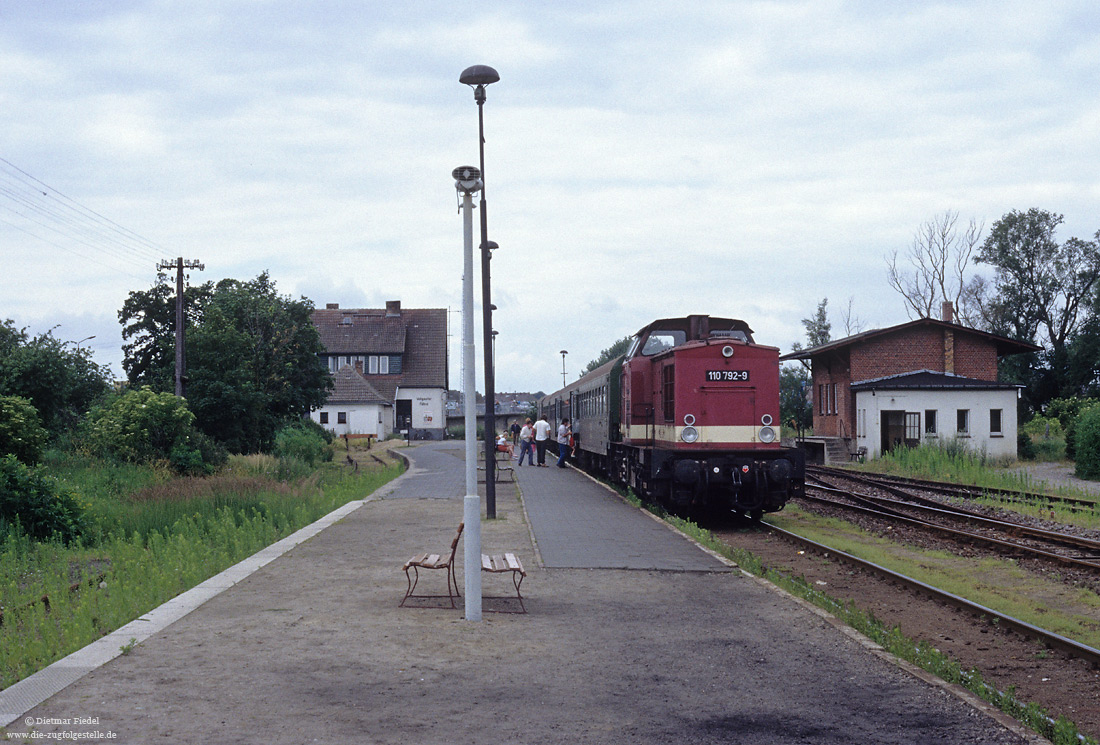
x,y
154,537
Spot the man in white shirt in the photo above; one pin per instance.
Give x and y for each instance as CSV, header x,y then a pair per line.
x,y
542,435
564,433
527,443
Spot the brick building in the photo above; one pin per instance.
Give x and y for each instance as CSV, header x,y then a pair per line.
x,y
918,381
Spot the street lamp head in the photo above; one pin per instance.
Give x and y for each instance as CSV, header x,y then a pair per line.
x,y
467,179
477,77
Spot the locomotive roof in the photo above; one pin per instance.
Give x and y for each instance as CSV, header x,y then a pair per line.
x,y
715,323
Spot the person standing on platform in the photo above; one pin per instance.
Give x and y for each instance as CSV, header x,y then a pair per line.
x,y
564,433
527,443
542,435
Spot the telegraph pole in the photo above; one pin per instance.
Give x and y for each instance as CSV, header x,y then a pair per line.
x,y
179,265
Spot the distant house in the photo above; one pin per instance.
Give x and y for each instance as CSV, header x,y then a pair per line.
x,y
389,367
922,381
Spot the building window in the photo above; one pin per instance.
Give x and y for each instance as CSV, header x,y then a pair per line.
x,y
861,423
833,410
963,421
372,365
821,399
324,417
930,422
383,365
912,428
341,417
995,423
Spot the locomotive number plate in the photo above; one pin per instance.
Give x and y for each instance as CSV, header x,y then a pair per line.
x,y
714,376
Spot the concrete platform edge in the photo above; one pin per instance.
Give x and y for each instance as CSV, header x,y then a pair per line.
x,y
21,697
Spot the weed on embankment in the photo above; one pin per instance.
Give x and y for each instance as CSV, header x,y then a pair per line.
x,y
152,537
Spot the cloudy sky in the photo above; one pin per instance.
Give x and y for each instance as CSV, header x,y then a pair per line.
x,y
644,159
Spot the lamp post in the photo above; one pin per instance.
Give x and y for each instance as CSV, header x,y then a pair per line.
x,y
467,182
563,353
477,77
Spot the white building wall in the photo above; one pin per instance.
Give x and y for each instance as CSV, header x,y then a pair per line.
x,y
946,404
362,419
427,407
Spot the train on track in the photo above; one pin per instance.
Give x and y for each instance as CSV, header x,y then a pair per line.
x,y
688,418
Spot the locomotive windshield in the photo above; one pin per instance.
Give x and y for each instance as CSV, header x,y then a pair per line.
x,y
659,340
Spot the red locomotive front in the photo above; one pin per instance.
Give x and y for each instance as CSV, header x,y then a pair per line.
x,y
700,418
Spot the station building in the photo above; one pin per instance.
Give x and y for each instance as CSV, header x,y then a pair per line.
x,y
389,369
923,381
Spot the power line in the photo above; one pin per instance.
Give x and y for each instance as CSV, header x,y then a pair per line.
x,y
42,205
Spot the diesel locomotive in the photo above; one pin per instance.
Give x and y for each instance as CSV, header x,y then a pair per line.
x,y
688,417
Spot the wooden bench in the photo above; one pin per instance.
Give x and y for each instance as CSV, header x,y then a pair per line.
x,y
434,561
500,563
501,468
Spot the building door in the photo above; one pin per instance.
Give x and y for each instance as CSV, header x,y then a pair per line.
x,y
403,420
893,430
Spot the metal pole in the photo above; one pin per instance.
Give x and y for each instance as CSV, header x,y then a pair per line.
x,y
471,503
487,327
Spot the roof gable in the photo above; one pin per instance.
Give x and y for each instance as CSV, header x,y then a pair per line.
x,y
929,379
419,335
1003,345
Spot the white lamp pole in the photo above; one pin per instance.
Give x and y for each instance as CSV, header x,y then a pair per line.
x,y
468,182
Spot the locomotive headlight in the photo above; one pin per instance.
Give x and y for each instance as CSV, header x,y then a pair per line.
x,y
689,434
766,419
767,434
727,351
689,419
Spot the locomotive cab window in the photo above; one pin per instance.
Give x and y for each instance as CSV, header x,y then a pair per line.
x,y
661,340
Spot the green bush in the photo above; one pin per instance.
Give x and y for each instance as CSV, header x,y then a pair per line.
x,y
32,503
1067,410
21,430
143,426
1087,443
1045,427
304,440
1025,449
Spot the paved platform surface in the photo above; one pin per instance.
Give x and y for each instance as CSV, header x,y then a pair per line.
x,y
312,648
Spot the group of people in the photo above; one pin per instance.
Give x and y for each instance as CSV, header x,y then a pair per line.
x,y
532,438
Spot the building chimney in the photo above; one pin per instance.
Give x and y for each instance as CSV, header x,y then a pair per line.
x,y
359,366
332,306
947,312
393,309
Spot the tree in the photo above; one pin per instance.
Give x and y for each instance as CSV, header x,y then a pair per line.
x,y
148,321
617,349
253,358
1042,291
61,381
817,328
794,406
937,261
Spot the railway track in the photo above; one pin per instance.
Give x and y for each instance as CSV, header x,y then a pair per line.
x,y
958,524
960,491
1048,638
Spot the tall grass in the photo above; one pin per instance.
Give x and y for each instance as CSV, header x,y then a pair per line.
x,y
154,537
